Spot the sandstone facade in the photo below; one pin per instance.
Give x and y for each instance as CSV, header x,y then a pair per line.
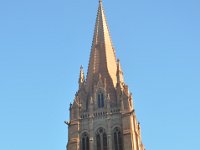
x,y
102,115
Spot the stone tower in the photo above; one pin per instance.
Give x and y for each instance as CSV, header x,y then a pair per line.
x,y
102,115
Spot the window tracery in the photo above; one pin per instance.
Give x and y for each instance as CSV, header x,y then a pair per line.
x,y
85,141
117,139
101,139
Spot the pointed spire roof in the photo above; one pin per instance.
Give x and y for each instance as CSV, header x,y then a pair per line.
x,y
102,56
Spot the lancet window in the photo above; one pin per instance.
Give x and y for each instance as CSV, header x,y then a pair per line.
x,y
101,139
117,139
100,99
85,141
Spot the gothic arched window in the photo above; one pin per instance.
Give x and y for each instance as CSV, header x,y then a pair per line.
x,y
100,98
101,139
117,139
85,142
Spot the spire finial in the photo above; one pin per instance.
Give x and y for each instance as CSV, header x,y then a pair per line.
x,y
100,1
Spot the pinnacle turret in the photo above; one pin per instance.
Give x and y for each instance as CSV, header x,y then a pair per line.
x,y
120,78
81,77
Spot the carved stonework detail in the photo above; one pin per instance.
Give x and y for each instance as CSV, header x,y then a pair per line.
x,y
102,115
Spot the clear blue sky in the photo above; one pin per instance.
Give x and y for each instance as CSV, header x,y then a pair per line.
x,y
44,42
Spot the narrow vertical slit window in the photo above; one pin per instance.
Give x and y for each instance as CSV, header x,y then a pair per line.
x,y
104,141
85,142
117,139
98,142
100,100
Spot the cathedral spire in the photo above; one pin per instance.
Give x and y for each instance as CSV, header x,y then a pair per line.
x,y
102,114
102,56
